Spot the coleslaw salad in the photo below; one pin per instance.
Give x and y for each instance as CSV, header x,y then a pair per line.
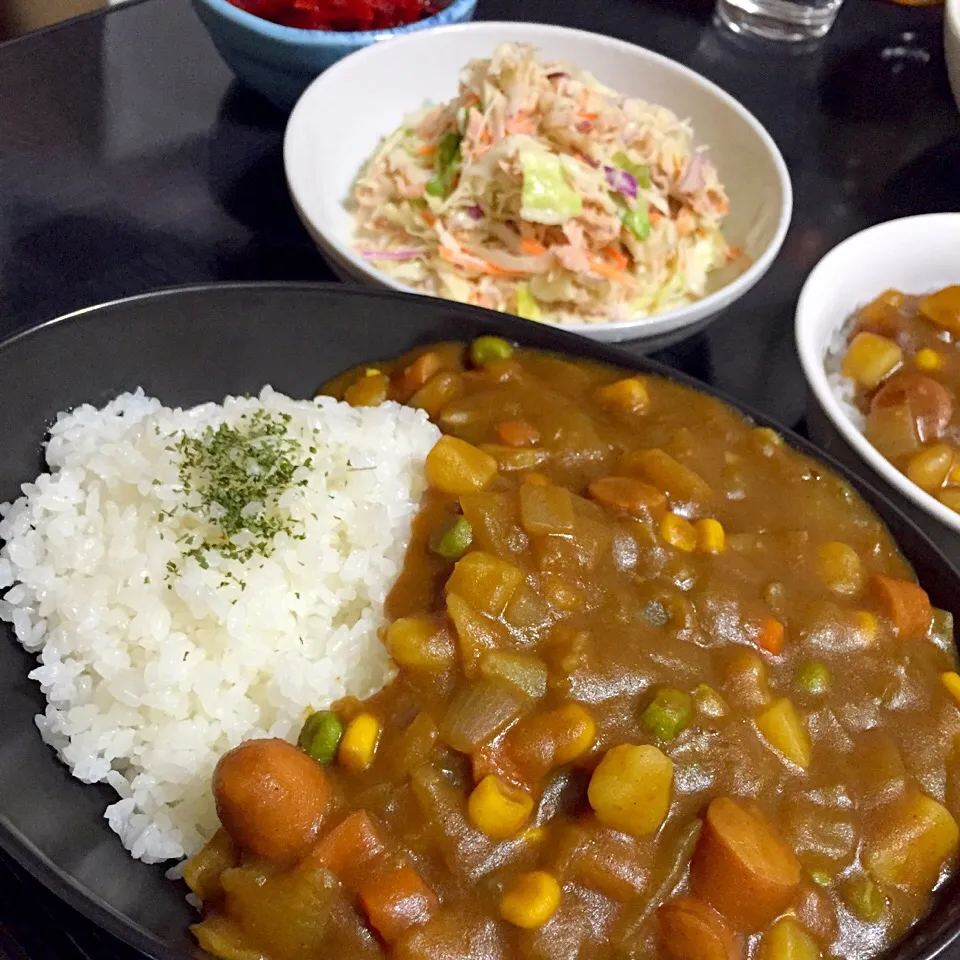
x,y
540,192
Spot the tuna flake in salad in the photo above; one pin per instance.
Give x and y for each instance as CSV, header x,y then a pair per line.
x,y
540,192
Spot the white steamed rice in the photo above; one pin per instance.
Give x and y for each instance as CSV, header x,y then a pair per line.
x,y
149,677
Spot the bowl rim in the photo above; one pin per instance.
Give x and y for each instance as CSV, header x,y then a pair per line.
x,y
302,37
951,19
638,327
812,362
59,882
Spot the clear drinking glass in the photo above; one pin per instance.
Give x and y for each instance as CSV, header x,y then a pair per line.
x,y
794,20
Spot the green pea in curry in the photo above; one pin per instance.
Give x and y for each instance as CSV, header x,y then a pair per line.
x,y
666,688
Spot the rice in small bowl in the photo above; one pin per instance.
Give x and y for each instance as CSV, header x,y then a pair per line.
x,y
916,255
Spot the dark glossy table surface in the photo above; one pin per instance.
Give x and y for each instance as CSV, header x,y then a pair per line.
x,y
130,160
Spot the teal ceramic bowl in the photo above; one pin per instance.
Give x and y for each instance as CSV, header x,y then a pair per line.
x,y
279,62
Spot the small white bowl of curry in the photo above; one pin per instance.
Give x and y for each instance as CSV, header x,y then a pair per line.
x,y
878,334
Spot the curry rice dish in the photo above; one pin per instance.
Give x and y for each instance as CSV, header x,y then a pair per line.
x,y
666,689
899,377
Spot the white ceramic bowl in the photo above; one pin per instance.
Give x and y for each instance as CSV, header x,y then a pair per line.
x,y
914,255
951,45
338,122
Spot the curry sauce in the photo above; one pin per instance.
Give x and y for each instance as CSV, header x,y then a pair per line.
x,y
666,688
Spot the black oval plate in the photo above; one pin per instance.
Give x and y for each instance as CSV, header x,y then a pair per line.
x,y
200,343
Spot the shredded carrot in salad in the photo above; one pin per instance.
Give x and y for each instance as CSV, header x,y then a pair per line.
x,y
539,191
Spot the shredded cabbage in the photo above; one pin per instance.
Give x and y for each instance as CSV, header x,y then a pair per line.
x,y
540,192
546,197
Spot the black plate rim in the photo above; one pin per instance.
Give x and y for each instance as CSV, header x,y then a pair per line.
x,y
97,910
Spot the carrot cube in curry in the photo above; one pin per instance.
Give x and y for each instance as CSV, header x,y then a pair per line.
x,y
630,496
574,732
486,582
912,839
631,789
518,433
348,848
624,396
454,466
395,897
498,760
771,635
417,373
905,603
786,732
546,509
870,359
742,867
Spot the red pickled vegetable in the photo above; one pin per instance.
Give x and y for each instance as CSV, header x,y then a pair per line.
x,y
342,15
